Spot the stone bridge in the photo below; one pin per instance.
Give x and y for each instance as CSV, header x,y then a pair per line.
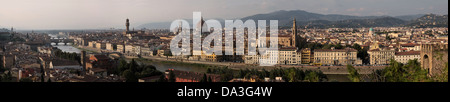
x,y
61,40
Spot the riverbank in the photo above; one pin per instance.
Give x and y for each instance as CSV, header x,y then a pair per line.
x,y
335,70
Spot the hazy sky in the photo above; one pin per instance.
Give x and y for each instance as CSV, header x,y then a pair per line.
x,y
100,14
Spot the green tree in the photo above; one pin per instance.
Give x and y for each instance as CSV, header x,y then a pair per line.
x,y
312,77
354,75
397,72
25,80
204,78
444,76
133,66
123,65
209,79
42,74
172,77
130,76
162,78
292,75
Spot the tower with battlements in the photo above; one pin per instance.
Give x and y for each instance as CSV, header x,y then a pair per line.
x,y
434,57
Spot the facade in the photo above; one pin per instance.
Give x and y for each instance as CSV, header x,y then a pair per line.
x,y
92,44
289,56
381,56
120,48
286,56
146,51
404,57
109,46
336,56
411,47
307,56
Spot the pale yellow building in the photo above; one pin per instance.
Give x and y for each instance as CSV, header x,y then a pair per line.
x,y
336,56
381,56
307,56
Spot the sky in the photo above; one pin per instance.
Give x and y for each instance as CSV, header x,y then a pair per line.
x,y
104,14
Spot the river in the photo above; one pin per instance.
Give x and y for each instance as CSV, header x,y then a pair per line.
x,y
164,66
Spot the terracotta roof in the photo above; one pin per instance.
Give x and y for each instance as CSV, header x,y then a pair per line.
x,y
101,57
64,62
288,48
408,53
409,45
335,50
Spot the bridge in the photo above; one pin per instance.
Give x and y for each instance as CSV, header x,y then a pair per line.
x,y
61,40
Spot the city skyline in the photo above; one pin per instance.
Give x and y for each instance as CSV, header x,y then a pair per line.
x,y
98,14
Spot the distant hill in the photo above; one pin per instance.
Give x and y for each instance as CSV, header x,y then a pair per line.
x,y
285,17
4,30
410,17
356,23
430,20
308,19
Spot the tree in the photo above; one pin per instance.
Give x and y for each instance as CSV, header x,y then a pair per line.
x,y
209,79
354,75
123,65
133,66
130,76
162,78
42,74
25,80
397,72
204,79
49,80
312,77
292,75
208,70
172,77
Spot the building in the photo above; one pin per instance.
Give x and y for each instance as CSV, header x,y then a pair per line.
x,y
381,56
410,47
307,56
111,46
286,56
289,56
404,57
92,44
336,56
100,45
146,51
120,48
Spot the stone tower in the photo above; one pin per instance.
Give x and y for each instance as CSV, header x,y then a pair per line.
x,y
83,59
434,57
294,33
128,25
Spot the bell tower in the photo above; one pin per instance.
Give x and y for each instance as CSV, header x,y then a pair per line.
x,y
294,33
128,25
